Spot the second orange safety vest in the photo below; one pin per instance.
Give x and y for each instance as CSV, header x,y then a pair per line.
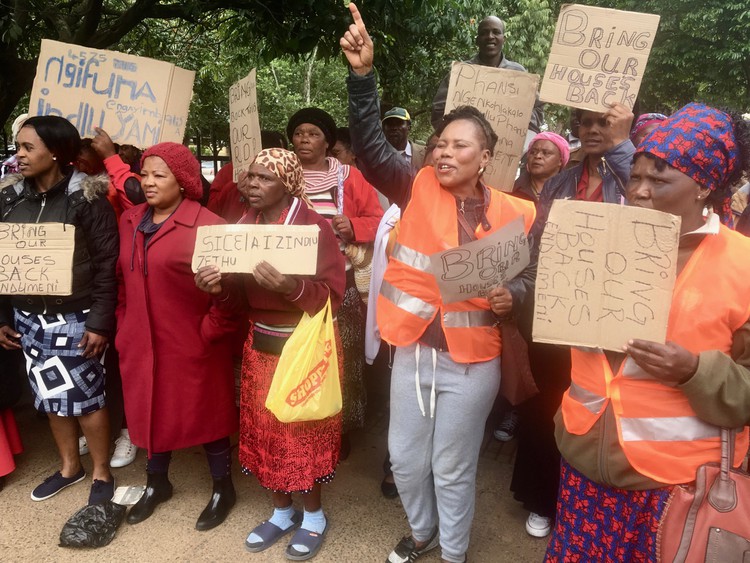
x,y
658,430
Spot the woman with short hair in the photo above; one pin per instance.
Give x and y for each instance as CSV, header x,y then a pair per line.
x,y
64,337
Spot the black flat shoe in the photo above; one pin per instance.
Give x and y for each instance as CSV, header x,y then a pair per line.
x,y
389,490
222,501
158,490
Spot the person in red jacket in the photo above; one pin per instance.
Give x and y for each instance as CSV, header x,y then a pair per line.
x,y
174,340
285,457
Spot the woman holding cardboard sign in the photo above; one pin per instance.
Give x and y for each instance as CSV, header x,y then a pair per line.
x,y
446,370
633,425
295,456
174,340
64,337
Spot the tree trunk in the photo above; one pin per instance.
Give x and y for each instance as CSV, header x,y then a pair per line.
x,y
308,75
16,79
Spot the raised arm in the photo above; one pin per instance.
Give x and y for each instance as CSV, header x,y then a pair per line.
x,y
381,164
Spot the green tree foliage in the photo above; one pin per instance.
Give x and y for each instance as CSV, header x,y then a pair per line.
x,y
701,52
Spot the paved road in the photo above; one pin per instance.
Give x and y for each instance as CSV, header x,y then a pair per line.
x,y
364,525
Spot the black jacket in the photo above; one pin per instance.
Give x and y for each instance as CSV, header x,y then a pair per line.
x,y
614,168
385,168
78,200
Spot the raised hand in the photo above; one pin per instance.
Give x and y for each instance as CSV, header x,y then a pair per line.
x,y
357,44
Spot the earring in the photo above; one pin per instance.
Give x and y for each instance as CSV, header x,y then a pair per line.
x,y
54,158
481,170
182,190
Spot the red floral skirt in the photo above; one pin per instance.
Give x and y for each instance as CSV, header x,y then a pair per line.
x,y
286,457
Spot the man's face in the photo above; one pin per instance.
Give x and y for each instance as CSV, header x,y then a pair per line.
x,y
490,37
396,132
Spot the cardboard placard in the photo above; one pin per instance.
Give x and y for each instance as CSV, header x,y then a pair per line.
x,y
598,56
473,269
506,98
244,123
606,274
291,249
36,258
137,100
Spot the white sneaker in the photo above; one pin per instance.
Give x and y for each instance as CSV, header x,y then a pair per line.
x,y
125,451
538,526
83,446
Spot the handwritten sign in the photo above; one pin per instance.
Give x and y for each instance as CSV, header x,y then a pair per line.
x,y
598,56
506,98
244,123
291,249
138,101
605,275
473,269
36,258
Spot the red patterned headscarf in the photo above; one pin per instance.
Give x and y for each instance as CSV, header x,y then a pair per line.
x,y
286,166
698,141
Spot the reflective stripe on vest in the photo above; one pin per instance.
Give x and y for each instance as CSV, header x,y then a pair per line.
x,y
464,319
468,319
407,302
591,401
411,257
672,429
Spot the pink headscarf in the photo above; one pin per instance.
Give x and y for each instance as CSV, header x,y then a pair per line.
x,y
558,141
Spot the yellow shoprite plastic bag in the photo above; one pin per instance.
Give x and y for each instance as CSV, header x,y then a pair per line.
x,y
306,384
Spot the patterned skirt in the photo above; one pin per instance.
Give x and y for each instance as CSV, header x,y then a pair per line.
x,y
351,320
603,524
63,381
286,457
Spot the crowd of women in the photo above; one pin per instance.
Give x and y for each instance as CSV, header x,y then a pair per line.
x,y
599,447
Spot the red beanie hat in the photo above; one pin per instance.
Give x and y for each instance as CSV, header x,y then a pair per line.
x,y
182,164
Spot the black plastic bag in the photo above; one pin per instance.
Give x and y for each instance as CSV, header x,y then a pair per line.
x,y
93,526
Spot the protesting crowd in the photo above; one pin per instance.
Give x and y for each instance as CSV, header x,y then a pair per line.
x,y
155,354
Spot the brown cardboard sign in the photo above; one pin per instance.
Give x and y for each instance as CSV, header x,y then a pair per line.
x,y
506,98
598,57
36,258
605,275
291,249
473,269
244,123
137,100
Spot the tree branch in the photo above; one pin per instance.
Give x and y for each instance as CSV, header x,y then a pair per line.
x,y
91,11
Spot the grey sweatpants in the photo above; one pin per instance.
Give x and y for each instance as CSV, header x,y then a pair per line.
x,y
435,458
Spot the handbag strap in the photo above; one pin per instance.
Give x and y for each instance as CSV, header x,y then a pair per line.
x,y
728,441
465,225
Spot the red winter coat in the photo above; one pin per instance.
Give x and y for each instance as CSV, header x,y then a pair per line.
x,y
173,339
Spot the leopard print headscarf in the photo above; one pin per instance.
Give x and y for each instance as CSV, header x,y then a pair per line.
x,y
286,166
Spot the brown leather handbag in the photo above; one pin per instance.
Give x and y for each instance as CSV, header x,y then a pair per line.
x,y
708,520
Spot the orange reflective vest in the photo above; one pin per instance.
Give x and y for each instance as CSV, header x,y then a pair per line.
x,y
658,430
409,297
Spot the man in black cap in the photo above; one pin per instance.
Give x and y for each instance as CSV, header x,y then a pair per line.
x,y
490,40
396,126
